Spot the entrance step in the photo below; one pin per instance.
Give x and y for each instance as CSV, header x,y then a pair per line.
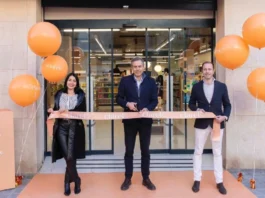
x,y
161,162
114,163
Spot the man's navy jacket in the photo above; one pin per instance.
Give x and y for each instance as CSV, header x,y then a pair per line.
x,y
145,97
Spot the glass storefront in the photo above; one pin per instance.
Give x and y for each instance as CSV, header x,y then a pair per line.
x,y
101,57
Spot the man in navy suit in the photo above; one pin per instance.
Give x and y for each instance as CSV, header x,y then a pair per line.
x,y
137,92
209,95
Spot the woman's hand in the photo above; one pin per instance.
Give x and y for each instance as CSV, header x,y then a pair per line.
x,y
50,110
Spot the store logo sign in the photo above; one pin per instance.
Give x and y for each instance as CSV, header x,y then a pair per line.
x,y
114,116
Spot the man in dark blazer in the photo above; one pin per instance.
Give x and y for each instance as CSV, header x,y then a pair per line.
x,y
137,92
209,95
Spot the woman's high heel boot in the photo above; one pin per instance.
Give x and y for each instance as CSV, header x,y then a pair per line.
x,y
78,185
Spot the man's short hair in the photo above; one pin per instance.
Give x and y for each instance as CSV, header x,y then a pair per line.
x,y
207,62
137,59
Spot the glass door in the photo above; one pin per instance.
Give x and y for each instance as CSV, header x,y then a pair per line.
x,y
101,57
101,89
74,50
79,58
158,56
127,43
148,44
173,57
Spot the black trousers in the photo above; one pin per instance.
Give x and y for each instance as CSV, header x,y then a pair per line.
x,y
145,137
65,137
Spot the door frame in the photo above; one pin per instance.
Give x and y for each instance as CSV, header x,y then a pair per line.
x,y
136,23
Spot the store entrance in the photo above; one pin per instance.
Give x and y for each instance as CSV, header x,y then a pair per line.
x,y
101,57
141,42
164,51
112,64
128,43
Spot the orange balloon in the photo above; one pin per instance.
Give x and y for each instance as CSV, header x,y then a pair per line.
x,y
44,39
24,90
231,51
256,83
54,68
254,30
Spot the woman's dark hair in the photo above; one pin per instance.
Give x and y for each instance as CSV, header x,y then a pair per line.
x,y
160,79
77,88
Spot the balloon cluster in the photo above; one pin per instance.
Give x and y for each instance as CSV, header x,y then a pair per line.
x,y
232,51
44,39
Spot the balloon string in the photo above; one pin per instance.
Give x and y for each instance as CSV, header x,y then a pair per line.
x,y
237,131
239,138
258,58
254,163
31,121
23,126
23,118
23,123
253,138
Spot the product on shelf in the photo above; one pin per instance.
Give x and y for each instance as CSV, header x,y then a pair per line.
x,y
103,87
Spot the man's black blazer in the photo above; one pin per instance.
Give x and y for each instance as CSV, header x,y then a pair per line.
x,y
128,92
219,105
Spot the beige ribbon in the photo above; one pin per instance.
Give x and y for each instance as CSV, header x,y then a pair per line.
x,y
133,115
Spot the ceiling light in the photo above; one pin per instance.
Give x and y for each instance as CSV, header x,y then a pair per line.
x,y
175,29
127,29
157,29
104,30
158,68
151,29
100,45
107,54
135,29
166,42
75,30
91,30
133,54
